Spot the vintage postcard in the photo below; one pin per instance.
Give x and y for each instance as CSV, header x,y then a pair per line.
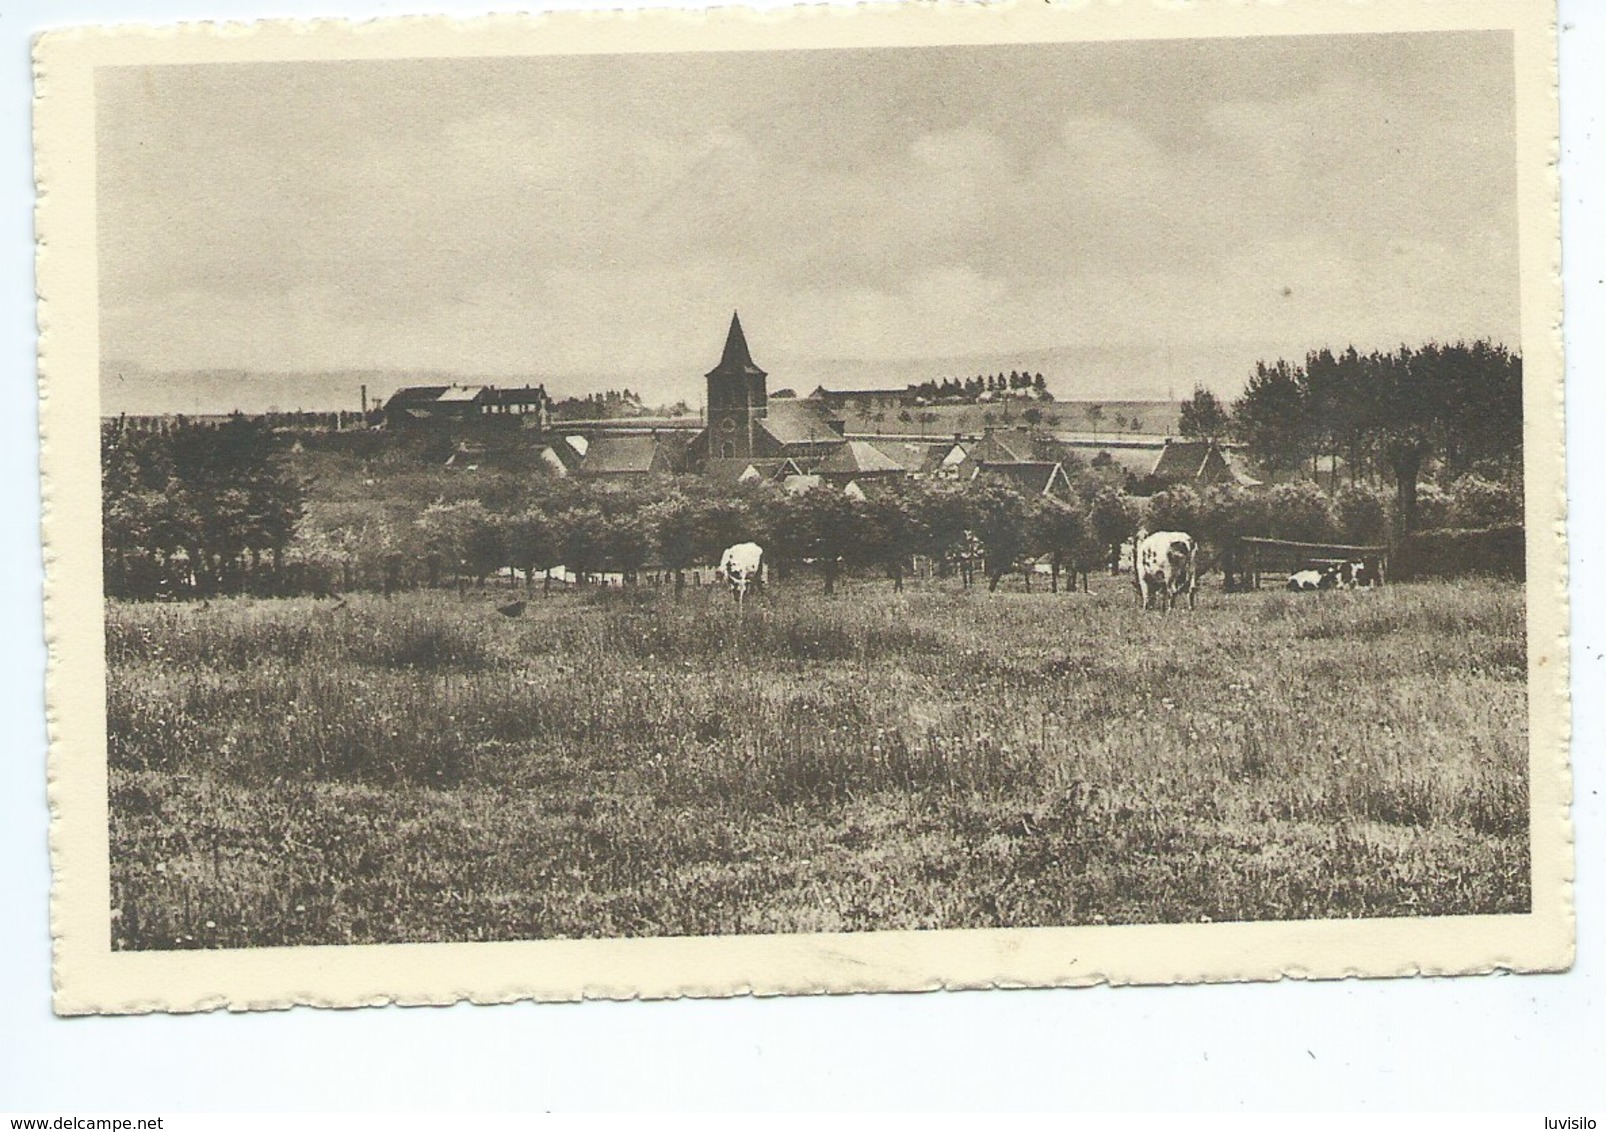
x,y
661,504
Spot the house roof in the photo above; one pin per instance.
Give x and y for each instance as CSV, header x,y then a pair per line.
x,y
799,422
736,469
526,395
736,361
910,455
414,395
1136,461
859,457
1006,446
460,394
1181,460
1038,477
620,455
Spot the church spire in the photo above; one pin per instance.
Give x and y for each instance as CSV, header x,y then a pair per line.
x,y
736,361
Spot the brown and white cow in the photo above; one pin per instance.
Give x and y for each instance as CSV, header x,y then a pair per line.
x,y
1165,566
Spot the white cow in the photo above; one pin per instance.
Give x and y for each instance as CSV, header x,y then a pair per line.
x,y
1164,566
741,565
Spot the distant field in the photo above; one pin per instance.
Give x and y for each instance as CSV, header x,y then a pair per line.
x,y
612,763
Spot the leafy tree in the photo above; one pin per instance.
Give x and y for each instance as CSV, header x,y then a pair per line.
x,y
630,542
532,545
1202,416
1114,516
944,517
822,526
1269,419
582,537
1002,524
890,531
1176,509
1060,530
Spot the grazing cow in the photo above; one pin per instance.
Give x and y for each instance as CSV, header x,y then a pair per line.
x,y
741,565
1164,565
1334,576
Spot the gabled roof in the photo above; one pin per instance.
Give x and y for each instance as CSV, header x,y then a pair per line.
x,y
1181,461
910,455
737,470
736,361
621,455
414,395
1005,446
1037,477
799,422
859,457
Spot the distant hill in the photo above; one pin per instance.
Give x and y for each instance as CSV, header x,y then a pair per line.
x,y
1132,373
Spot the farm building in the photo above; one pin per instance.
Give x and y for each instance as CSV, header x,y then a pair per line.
x,y
1196,463
421,404
1034,477
628,457
1010,455
863,400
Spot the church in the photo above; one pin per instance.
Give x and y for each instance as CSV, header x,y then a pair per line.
x,y
746,427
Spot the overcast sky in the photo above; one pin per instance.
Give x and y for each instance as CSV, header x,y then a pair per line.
x,y
605,214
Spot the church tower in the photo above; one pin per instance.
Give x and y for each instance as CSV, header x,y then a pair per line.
x,y
737,398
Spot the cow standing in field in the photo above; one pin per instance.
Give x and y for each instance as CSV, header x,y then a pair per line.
x,y
1165,566
741,565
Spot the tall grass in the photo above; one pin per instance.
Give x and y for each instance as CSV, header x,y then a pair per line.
x,y
289,772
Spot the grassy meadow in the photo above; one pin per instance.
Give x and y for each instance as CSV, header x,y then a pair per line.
x,y
615,763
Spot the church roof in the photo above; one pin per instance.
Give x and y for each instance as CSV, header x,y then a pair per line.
x,y
736,361
799,422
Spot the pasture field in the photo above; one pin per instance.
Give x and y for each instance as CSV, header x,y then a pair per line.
x,y
615,763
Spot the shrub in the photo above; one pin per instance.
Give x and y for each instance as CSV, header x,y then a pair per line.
x,y
1476,502
1175,509
1432,507
1455,553
1300,512
1361,515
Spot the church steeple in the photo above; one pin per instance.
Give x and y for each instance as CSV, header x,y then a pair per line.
x,y
736,361
737,399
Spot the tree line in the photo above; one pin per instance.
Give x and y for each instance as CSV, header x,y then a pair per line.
x,y
1386,416
221,511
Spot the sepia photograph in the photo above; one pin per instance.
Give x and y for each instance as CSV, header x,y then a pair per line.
x,y
824,492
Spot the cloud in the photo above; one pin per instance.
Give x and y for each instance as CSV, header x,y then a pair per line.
x,y
566,216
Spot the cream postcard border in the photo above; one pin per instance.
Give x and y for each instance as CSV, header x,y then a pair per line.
x,y
91,978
